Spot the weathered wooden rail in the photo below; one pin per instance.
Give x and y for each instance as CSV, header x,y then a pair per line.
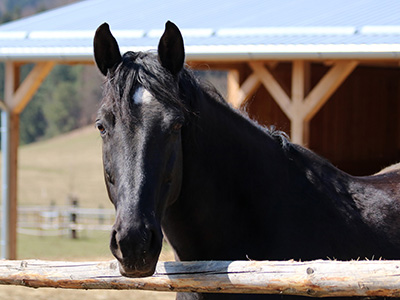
x,y
62,220
315,279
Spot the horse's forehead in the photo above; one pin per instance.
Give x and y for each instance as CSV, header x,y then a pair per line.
x,y
149,107
142,96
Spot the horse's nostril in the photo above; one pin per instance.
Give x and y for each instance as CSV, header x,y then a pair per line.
x,y
154,239
114,244
151,239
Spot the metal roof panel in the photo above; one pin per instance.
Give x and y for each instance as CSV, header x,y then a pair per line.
x,y
206,24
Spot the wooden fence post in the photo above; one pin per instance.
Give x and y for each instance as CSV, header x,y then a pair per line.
x,y
74,217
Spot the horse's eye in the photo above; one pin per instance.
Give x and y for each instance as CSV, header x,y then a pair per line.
x,y
101,128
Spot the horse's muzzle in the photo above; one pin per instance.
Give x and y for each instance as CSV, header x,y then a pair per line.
x,y
137,249
135,271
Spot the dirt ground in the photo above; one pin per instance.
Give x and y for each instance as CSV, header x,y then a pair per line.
x,y
23,293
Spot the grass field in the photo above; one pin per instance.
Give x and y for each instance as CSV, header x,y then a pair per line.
x,y
70,164
49,172
91,245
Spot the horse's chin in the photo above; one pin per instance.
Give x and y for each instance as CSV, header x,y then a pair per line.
x,y
134,272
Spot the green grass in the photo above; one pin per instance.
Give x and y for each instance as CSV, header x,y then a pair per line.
x,y
52,170
91,245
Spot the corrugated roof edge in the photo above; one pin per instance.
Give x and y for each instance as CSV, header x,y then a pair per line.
x,y
208,32
221,53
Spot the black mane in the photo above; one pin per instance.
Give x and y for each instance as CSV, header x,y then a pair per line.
x,y
138,69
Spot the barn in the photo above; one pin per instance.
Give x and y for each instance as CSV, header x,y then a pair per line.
x,y
327,73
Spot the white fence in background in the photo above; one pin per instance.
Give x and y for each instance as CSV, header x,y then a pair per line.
x,y
65,220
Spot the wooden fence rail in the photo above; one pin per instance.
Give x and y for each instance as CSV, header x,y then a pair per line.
x,y
62,220
315,279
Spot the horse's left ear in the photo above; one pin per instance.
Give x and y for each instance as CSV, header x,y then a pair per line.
x,y
171,51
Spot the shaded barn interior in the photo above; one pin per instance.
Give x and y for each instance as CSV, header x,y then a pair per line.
x,y
358,129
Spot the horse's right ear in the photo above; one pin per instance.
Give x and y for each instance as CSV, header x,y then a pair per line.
x,y
106,50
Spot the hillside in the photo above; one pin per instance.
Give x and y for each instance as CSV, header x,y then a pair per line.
x,y
70,164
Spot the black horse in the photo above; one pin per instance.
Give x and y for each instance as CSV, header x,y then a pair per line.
x,y
179,161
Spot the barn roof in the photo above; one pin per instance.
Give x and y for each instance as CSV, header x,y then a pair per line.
x,y
213,30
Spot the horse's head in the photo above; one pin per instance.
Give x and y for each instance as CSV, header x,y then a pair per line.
x,y
140,122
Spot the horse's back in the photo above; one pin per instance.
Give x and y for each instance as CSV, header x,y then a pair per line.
x,y
387,180
390,169
378,197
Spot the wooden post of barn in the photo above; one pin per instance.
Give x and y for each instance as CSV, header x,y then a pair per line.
x,y
17,95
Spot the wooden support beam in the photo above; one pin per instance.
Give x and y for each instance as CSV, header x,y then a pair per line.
x,y
29,86
300,108
299,128
273,87
233,86
298,82
242,92
3,105
313,279
272,64
326,87
248,88
16,97
13,184
11,83
303,109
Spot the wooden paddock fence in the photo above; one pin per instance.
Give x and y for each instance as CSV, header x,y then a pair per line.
x,y
62,220
314,279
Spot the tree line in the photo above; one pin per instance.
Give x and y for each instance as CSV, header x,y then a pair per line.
x,y
67,99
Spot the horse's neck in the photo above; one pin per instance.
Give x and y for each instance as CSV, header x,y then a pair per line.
x,y
325,178
222,139
231,172
231,145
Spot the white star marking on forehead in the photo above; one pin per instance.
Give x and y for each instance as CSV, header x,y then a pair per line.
x,y
142,96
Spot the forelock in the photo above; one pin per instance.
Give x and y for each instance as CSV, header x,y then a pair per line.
x,y
140,69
